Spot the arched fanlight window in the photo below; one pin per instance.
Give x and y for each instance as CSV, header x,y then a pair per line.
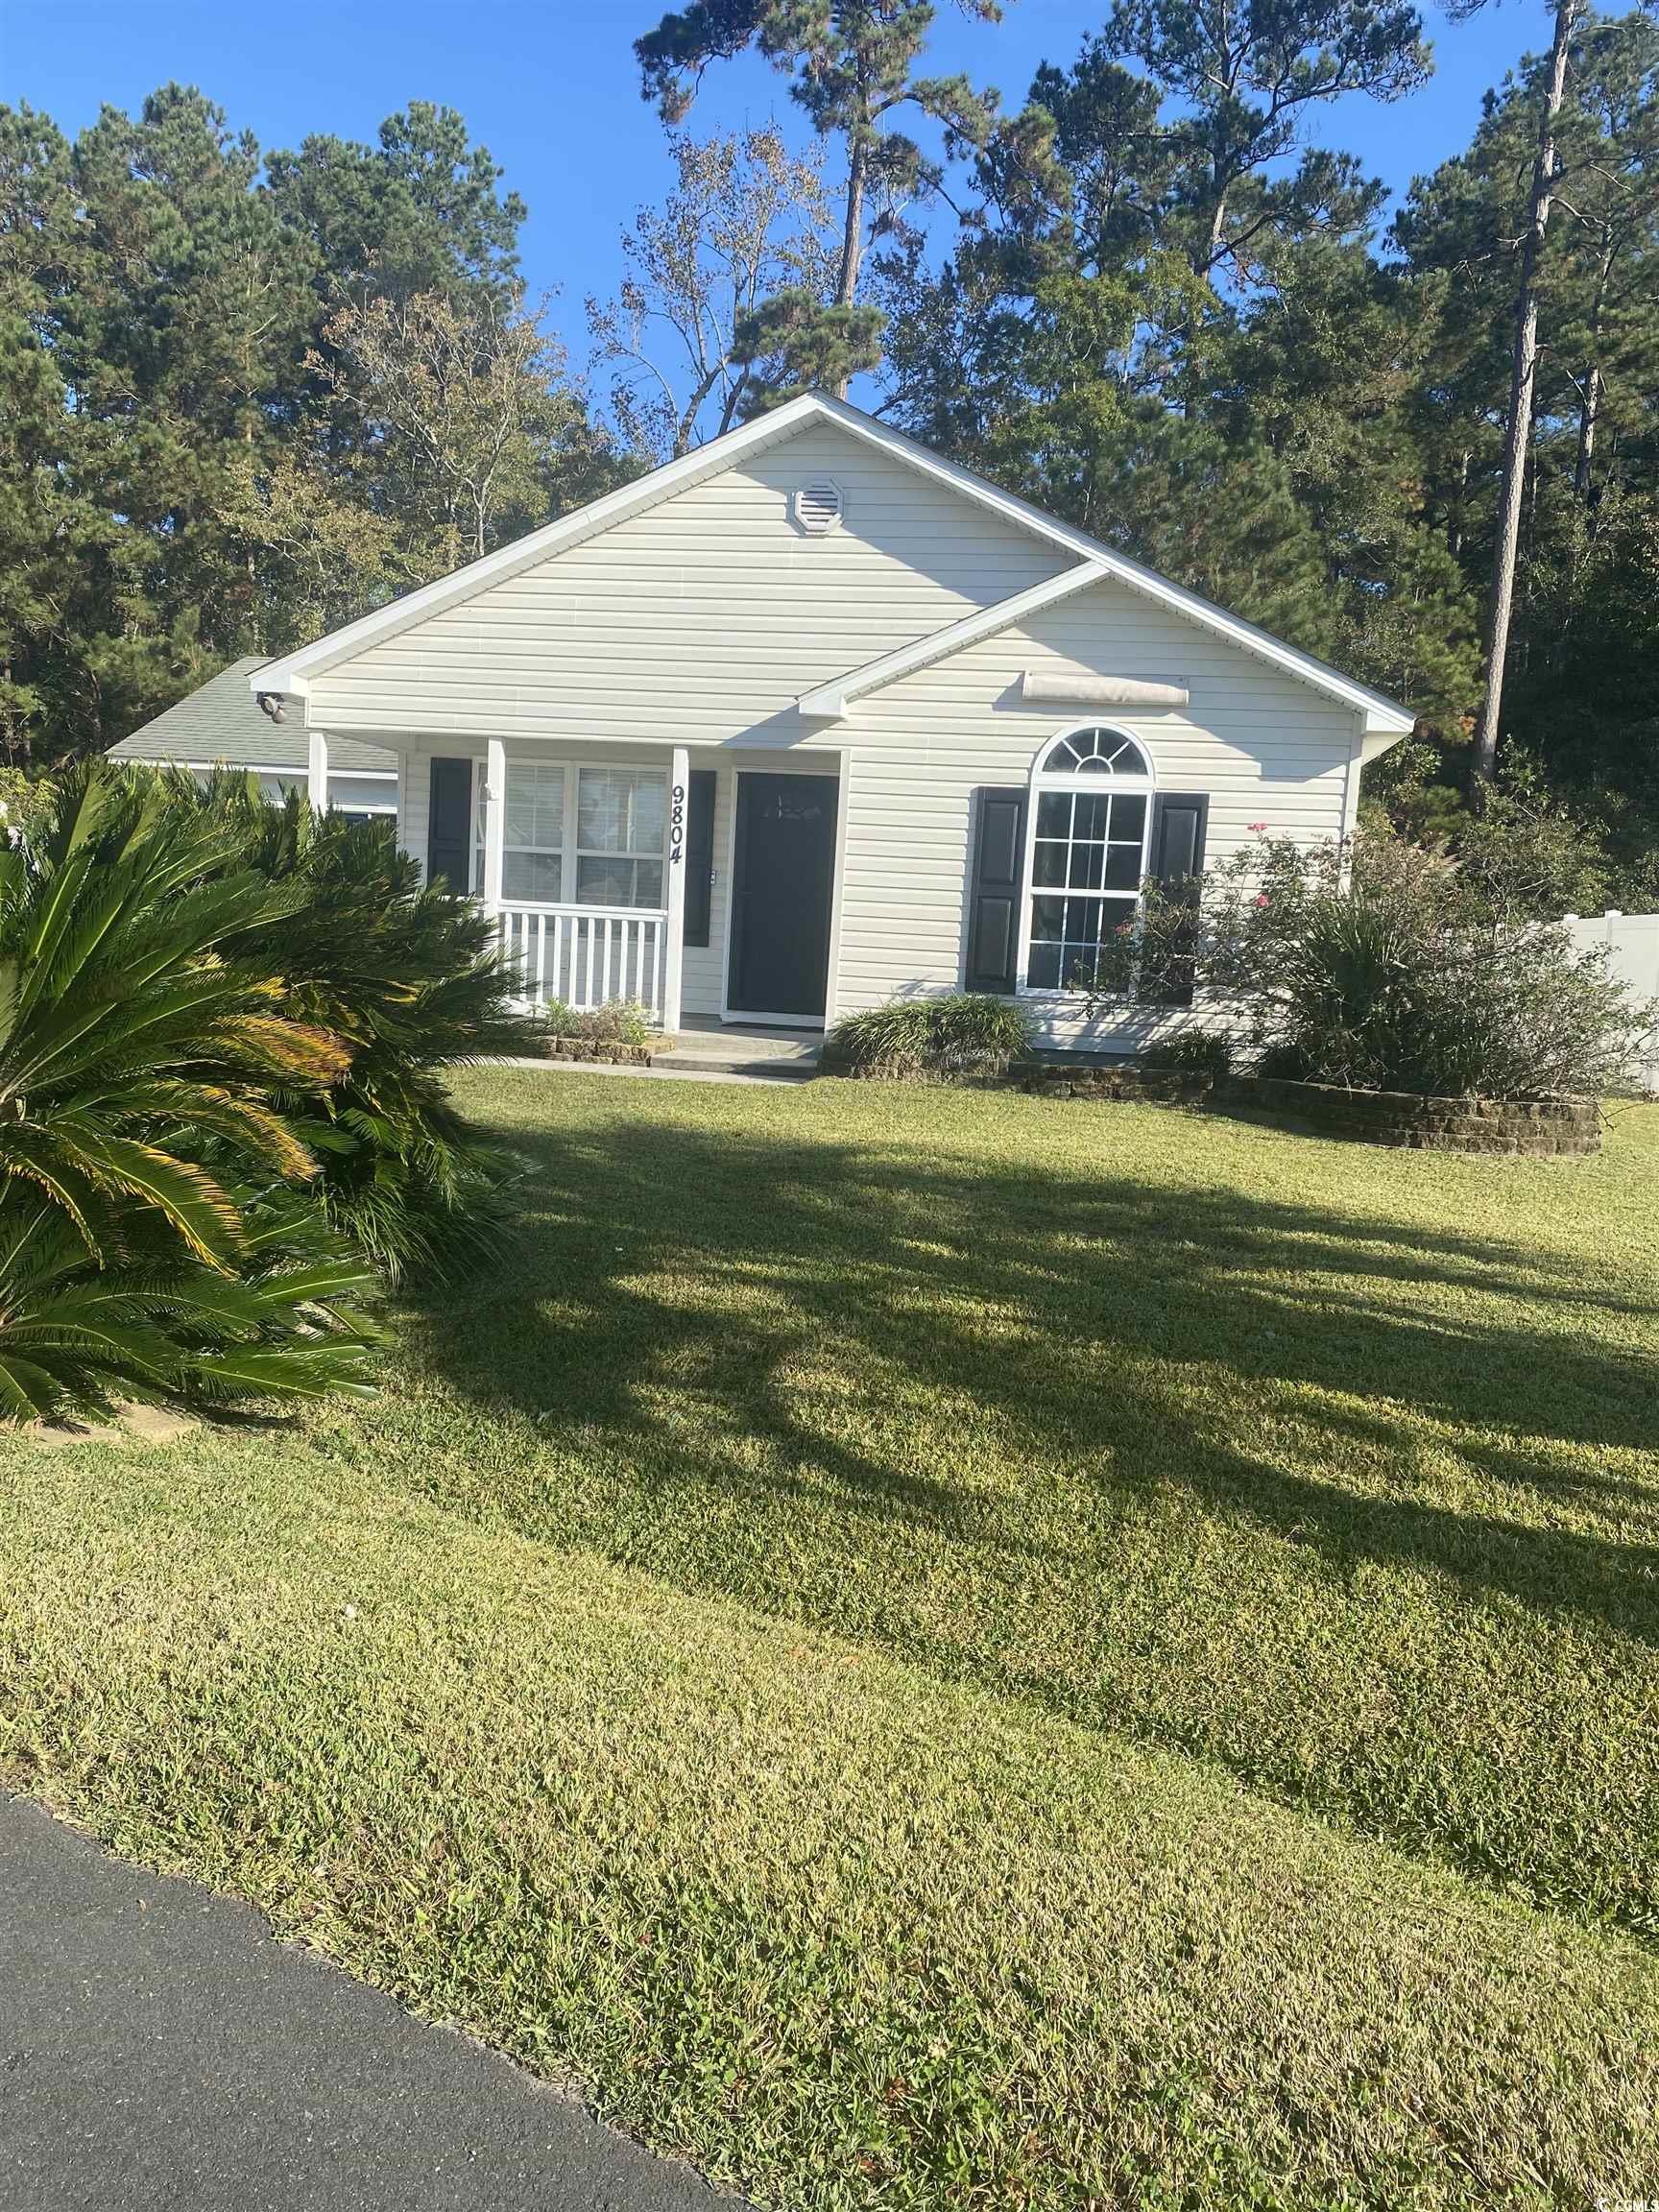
x,y
1091,819
1094,753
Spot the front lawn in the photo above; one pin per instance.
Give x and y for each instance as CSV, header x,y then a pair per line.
x,y
938,1649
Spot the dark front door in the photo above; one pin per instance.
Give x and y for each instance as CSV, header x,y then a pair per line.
x,y
780,889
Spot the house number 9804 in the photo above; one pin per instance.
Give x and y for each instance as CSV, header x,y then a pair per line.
x,y
677,825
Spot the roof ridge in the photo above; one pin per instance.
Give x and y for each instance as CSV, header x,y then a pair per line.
x,y
291,673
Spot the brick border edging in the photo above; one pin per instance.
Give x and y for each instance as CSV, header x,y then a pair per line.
x,y
1144,1085
594,1049
1537,1128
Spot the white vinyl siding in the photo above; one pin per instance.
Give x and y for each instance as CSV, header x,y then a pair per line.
x,y
1262,746
699,621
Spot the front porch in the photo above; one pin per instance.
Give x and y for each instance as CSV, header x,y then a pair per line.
x,y
581,862
698,883
591,957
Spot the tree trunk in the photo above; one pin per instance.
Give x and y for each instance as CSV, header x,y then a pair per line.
x,y
686,429
1589,408
851,232
1457,507
1216,220
1589,396
1522,378
852,226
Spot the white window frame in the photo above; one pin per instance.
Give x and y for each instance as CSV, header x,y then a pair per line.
x,y
578,851
1072,781
570,851
561,849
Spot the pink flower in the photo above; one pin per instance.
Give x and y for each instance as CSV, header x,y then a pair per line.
x,y
1257,828
1262,899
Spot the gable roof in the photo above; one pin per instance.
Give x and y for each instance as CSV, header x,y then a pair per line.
x,y
831,702
290,673
221,720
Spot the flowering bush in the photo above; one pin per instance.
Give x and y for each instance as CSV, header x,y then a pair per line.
x,y
624,1021
1381,966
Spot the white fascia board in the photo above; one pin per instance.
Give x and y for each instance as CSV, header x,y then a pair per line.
x,y
288,675
830,702
1381,714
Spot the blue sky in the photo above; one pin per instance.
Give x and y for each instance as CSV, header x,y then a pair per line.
x,y
550,87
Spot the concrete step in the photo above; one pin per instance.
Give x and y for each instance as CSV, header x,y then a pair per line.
x,y
783,1054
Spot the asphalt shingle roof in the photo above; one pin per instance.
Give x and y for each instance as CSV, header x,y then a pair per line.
x,y
222,722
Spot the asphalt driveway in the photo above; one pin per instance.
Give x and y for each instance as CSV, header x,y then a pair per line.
x,y
160,2051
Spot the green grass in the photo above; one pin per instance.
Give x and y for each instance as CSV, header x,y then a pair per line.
x,y
945,1649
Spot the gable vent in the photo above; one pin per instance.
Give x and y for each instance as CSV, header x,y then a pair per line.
x,y
819,507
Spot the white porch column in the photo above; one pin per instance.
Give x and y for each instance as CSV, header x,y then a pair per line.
x,y
317,771
679,792
495,822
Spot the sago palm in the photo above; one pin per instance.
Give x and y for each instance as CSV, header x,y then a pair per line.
x,y
151,1241
406,977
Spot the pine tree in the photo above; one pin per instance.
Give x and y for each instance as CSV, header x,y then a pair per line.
x,y
1523,374
190,465
853,65
1242,80
1592,449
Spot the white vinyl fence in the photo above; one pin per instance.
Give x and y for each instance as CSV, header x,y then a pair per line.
x,y
1634,943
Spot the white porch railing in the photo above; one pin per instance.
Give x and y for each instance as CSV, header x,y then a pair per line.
x,y
587,956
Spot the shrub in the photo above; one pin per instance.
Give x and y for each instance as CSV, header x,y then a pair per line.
x,y
626,1022
1531,855
157,1240
1195,1052
966,1033
406,977
1380,966
20,799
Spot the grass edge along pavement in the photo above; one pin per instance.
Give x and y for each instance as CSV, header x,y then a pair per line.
x,y
839,1932
835,1914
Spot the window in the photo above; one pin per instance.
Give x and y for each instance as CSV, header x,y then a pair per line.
x,y
621,822
1096,753
533,842
1091,800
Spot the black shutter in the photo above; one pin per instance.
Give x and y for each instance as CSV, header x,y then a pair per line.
x,y
1179,819
699,854
993,959
1176,864
449,825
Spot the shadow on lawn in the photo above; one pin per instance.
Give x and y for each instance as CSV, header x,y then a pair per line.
x,y
1070,1310
1141,1456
